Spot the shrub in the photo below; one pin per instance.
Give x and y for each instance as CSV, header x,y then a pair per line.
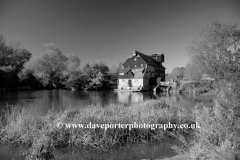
x,y
219,135
197,87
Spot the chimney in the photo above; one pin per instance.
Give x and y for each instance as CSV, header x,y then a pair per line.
x,y
134,53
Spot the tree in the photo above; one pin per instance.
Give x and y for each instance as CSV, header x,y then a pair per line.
x,y
12,60
193,72
74,78
73,63
177,74
97,74
11,56
215,52
113,69
48,67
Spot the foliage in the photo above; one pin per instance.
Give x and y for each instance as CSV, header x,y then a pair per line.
x,y
177,74
39,132
97,75
76,80
73,75
12,60
48,66
197,87
193,71
8,79
218,137
215,52
113,69
52,68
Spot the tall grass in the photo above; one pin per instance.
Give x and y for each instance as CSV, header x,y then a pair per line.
x,y
219,135
40,134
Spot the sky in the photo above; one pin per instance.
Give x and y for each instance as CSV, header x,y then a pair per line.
x,y
110,30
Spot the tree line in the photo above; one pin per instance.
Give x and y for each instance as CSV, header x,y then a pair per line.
x,y
48,69
214,52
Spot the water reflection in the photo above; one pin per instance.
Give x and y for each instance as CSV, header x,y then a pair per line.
x,y
129,152
129,97
137,151
57,100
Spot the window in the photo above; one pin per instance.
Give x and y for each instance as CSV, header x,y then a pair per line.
x,y
121,74
141,65
145,65
135,59
135,66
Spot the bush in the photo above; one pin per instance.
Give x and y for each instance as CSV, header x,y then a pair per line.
x,y
197,87
219,135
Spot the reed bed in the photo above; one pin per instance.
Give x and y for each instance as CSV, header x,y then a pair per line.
x,y
42,137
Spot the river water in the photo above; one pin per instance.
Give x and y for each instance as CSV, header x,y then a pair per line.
x,y
57,100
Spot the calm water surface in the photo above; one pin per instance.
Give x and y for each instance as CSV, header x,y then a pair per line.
x,y
57,100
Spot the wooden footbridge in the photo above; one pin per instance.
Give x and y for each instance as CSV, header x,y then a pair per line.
x,y
165,86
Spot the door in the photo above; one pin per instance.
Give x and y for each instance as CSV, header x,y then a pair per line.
x,y
130,83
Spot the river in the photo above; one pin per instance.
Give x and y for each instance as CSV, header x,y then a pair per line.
x,y
56,100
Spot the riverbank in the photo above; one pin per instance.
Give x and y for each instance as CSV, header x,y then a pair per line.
x,y
204,88
42,136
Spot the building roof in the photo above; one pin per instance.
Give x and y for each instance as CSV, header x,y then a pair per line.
x,y
125,70
148,59
162,65
125,73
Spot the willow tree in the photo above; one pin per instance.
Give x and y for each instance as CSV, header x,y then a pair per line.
x,y
48,67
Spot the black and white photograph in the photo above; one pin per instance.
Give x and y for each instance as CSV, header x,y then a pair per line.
x,y
119,79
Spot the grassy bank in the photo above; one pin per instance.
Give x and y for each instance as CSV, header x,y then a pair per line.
x,y
219,135
42,137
